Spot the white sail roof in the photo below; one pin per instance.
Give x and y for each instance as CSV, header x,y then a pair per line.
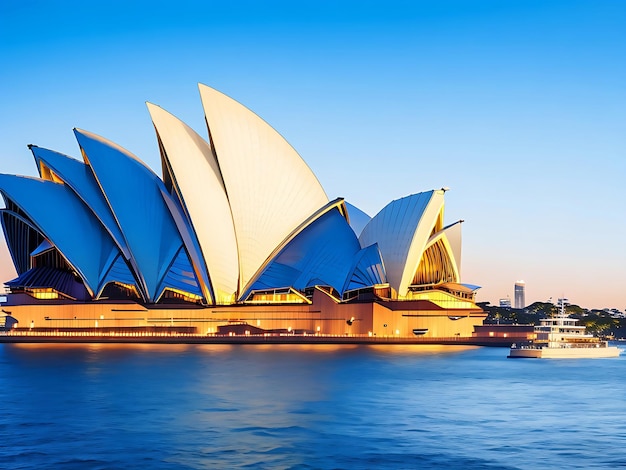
x,y
198,182
134,194
454,238
402,230
270,188
358,218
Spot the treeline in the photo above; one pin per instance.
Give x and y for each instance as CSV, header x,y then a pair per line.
x,y
598,322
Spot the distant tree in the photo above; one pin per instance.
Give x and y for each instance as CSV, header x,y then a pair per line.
x,y
545,309
597,321
576,311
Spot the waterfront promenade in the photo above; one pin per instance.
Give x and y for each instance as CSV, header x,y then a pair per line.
x,y
147,338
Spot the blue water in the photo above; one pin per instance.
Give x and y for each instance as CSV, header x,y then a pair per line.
x,y
206,406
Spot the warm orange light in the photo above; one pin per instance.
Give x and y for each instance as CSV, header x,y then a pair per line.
x,y
44,294
185,295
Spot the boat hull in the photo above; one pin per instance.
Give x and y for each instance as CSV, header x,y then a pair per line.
x,y
564,353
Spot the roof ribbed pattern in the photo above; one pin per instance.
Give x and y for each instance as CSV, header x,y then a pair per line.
x,y
80,179
43,277
402,230
322,254
118,272
133,192
196,177
234,213
270,189
338,205
86,246
367,270
180,276
449,240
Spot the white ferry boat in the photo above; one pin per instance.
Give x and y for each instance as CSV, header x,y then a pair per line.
x,y
561,337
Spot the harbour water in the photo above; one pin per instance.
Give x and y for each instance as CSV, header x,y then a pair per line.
x,y
218,406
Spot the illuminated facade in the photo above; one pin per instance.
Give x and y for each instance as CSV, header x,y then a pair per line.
x,y
238,230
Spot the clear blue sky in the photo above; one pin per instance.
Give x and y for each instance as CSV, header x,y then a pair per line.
x,y
517,106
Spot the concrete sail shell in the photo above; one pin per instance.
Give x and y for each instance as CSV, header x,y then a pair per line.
x,y
87,247
270,188
454,236
118,272
437,264
337,205
358,219
196,177
320,254
402,230
180,276
80,179
133,193
367,270
450,239
190,241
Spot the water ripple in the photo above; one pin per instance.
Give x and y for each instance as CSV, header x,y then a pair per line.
x,y
197,407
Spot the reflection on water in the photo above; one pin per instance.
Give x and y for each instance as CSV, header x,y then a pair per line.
x,y
320,406
419,349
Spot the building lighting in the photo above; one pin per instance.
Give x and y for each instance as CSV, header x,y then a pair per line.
x,y
173,260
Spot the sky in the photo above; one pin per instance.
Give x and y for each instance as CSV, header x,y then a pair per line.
x,y
517,106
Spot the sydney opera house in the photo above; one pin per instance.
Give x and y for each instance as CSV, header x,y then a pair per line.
x,y
236,237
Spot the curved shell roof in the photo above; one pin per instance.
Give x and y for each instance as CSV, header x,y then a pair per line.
x,y
323,254
270,189
451,238
90,259
198,183
454,236
236,213
402,230
80,179
367,270
358,219
133,192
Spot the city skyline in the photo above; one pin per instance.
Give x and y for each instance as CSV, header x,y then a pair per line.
x,y
517,108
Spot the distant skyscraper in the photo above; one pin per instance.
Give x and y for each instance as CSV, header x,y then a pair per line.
x,y
505,303
520,301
